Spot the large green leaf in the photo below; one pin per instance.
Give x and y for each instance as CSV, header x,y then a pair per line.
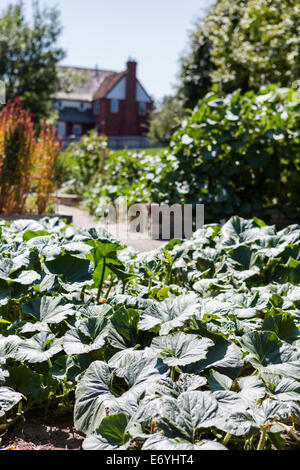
x,y
94,396
169,314
158,442
104,251
283,325
34,233
39,348
266,349
8,399
219,381
50,310
140,371
8,346
89,335
71,268
271,410
239,231
124,331
282,388
224,356
111,434
252,389
180,349
30,383
182,417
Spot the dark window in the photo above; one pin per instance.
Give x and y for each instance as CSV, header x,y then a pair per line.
x,y
114,106
77,129
97,107
142,108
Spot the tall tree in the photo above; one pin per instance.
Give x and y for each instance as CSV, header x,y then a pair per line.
x,y
29,56
242,44
165,120
196,67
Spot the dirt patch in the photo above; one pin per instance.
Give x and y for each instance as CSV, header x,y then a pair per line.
x,y
50,434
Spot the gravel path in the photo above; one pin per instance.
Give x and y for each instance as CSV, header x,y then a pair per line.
x,y
81,218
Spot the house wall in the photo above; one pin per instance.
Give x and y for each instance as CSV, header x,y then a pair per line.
x,y
127,122
85,128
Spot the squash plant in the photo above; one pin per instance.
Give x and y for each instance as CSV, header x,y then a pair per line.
x,y
205,356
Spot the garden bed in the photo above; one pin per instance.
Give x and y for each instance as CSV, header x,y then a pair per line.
x,y
34,433
127,343
67,218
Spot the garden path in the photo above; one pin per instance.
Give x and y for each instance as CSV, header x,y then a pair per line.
x,y
82,218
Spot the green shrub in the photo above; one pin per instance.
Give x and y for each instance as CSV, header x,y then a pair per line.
x,y
131,174
237,154
81,161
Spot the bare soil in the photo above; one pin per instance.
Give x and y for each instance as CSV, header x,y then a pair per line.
x,y
55,433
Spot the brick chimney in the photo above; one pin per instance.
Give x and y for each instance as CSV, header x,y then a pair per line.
x,y
131,103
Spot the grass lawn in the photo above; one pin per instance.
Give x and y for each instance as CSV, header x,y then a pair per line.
x,y
148,151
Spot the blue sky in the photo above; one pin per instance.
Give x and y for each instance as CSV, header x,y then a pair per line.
x,y
107,32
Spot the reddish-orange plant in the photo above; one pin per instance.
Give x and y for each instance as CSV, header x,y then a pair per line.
x,y
26,161
17,143
47,149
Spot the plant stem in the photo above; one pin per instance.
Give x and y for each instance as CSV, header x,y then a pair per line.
x,y
20,408
6,425
101,280
262,439
226,439
168,275
289,431
110,286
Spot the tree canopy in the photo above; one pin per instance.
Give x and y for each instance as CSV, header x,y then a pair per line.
x,y
29,56
242,44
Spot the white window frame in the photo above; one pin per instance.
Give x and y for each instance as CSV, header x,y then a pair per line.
x,y
113,109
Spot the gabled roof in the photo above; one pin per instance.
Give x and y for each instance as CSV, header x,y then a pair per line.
x,y
108,83
96,84
92,81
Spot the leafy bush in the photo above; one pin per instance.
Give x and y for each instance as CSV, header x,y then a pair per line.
x,y
237,154
82,162
244,44
26,160
130,174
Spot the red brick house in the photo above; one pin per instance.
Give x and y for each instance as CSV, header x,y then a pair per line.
x,y
114,103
